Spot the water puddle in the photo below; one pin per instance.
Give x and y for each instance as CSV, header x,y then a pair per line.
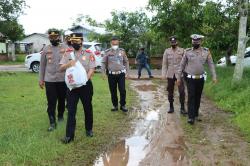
x,y
147,138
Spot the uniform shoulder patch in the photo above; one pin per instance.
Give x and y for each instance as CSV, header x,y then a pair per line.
x,y
206,49
69,49
88,51
107,50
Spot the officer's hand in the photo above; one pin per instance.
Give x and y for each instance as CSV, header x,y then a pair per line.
x,y
215,81
178,82
41,84
72,63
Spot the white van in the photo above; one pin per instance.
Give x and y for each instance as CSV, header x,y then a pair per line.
x,y
32,61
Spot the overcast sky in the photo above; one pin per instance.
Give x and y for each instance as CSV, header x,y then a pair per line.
x,y
45,14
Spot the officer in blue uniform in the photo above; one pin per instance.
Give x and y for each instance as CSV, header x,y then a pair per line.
x,y
142,61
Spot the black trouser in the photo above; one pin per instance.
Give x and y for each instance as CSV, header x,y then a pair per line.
x,y
84,93
55,91
119,80
170,89
194,87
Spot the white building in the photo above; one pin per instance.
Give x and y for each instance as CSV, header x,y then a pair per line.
x,y
3,46
34,42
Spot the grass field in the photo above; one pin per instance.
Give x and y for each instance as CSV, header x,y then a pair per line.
x,y
233,99
24,139
19,60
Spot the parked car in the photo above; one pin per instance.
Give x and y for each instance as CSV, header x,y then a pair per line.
x,y
222,62
96,50
32,61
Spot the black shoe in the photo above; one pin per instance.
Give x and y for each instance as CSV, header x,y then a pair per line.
x,y
67,140
52,127
139,77
191,121
60,119
151,76
114,109
183,111
124,109
89,133
171,110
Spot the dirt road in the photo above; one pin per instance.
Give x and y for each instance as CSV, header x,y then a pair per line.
x,y
161,139
13,68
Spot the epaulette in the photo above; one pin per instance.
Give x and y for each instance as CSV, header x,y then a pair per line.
x,y
69,50
121,49
107,50
188,49
88,51
206,49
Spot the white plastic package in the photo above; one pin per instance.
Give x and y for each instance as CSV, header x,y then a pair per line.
x,y
75,76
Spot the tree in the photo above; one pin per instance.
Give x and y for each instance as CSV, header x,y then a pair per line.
x,y
11,9
242,40
12,29
131,27
86,19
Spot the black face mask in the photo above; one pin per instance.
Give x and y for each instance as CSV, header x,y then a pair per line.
x,y
69,43
173,46
54,42
196,46
76,46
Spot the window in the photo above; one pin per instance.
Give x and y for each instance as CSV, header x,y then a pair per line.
x,y
98,47
86,46
247,54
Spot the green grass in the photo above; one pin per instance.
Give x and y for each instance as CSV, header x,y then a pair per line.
x,y
19,60
235,99
23,120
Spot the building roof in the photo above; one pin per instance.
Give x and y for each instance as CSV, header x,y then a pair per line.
x,y
99,30
39,34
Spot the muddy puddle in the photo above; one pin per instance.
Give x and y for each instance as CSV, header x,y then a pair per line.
x,y
157,138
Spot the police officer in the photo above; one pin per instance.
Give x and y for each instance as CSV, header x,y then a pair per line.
x,y
142,59
67,34
84,93
116,65
170,65
53,78
192,66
